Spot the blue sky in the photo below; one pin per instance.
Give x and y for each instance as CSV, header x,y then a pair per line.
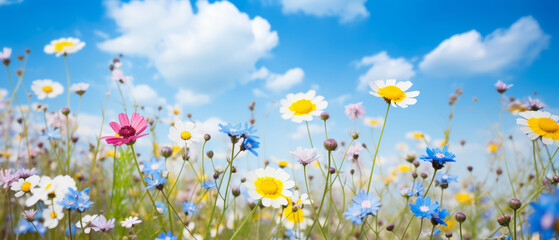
x,y
334,44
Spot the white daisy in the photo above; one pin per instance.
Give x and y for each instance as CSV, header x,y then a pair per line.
x,y
46,88
86,220
394,92
174,111
51,215
302,106
79,88
23,186
540,124
184,132
418,135
50,190
5,54
130,222
3,93
373,122
269,184
64,46
300,200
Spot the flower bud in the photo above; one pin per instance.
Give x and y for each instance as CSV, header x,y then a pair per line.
x,y
515,204
499,171
332,170
20,57
462,142
330,144
424,175
324,116
414,175
470,168
189,115
355,135
460,217
416,163
504,220
65,111
390,227
75,139
236,191
448,235
185,156
233,169
207,137
243,180
210,154
352,171
216,176
28,51
166,151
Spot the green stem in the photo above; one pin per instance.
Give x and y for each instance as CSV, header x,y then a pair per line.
x,y
431,183
67,78
309,133
246,219
376,151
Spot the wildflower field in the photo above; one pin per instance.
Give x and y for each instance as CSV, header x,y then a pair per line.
x,y
112,159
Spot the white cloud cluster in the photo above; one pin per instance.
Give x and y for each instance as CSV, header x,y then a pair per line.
x,y
145,95
279,82
346,10
209,49
471,54
383,67
186,97
8,2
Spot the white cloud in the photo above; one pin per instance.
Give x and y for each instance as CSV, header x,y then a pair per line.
x,y
346,10
186,97
101,34
259,93
8,2
279,82
211,126
384,67
301,131
145,95
209,49
471,54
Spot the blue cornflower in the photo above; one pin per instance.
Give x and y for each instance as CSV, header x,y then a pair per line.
x,y
232,131
423,207
546,214
438,157
161,207
83,202
248,132
156,181
251,144
445,178
208,184
70,200
417,190
154,166
190,208
440,216
166,236
53,134
353,214
363,204
73,230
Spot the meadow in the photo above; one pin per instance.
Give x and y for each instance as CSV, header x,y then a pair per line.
x,y
57,184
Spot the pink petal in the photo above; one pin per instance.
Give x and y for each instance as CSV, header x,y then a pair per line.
x,y
115,126
138,131
123,119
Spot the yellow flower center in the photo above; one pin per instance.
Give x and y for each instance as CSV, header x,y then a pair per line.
x,y
53,214
548,125
392,93
176,112
373,122
302,107
59,46
7,154
26,186
493,147
418,135
545,127
185,135
47,89
269,187
283,164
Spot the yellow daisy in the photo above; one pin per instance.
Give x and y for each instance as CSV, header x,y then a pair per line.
x,y
271,185
302,106
394,92
64,46
539,124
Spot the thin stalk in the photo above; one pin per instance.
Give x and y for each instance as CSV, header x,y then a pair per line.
x,y
378,145
246,219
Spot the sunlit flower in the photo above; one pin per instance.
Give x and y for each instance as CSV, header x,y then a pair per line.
x,y
23,186
295,217
130,222
439,217
190,208
174,111
394,92
445,178
373,122
354,150
128,131
7,177
363,205
184,132
52,215
418,135
101,224
270,185
438,157
424,208
156,181
502,87
355,110
464,198
533,104
154,166
46,88
302,106
50,190
300,200
52,134
86,220
493,146
64,46
79,88
5,54
539,124
305,156
517,107
161,207
3,93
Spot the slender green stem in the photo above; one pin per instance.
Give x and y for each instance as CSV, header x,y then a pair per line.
x,y
70,223
376,151
514,226
460,225
431,183
432,231
143,181
323,196
67,78
309,133
175,211
420,228
535,161
246,219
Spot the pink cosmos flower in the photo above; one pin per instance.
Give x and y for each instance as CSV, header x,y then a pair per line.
x,y
355,110
128,131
